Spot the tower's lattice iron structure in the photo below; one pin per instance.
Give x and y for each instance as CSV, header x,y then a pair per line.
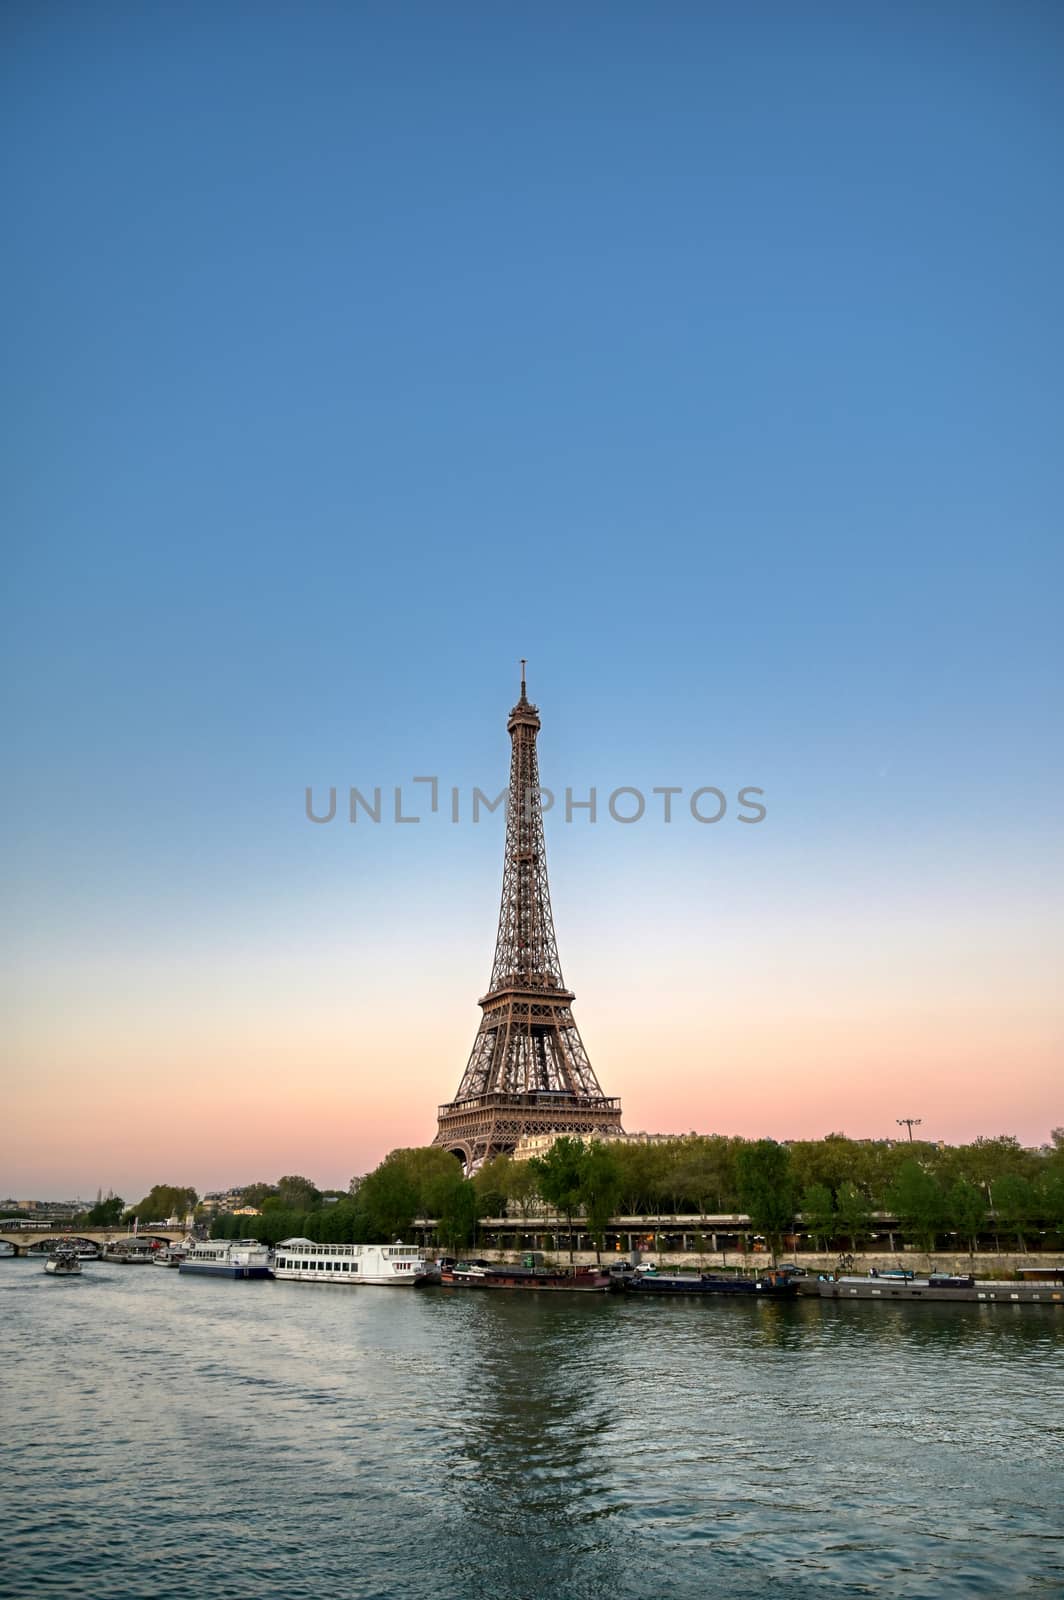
x,y
528,1071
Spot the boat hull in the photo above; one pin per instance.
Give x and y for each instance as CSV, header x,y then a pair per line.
x,y
550,1282
653,1284
223,1269
368,1281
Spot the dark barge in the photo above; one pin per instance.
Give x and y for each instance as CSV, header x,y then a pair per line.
x,y
583,1280
942,1286
776,1285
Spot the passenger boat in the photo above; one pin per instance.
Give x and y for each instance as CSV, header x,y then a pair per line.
x,y
6,1248
63,1264
497,1275
777,1285
84,1249
228,1258
306,1261
131,1252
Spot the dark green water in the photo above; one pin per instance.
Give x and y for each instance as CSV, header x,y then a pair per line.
x,y
170,1436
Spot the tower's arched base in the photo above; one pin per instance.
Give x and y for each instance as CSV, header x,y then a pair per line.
x,y
491,1124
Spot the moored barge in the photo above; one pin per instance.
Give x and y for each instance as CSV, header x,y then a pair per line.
x,y
775,1285
943,1286
582,1280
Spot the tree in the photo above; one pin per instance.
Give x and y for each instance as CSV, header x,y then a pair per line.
x,y
297,1194
446,1194
1015,1205
644,1180
818,1213
493,1186
766,1189
966,1210
560,1178
702,1173
1049,1195
599,1189
387,1200
918,1203
854,1213
987,1161
458,1218
165,1200
105,1213
256,1194
829,1161
522,1187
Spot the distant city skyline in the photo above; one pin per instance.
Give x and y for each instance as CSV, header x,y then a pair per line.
x,y
710,361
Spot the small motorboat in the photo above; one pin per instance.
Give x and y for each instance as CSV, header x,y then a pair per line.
x,y
63,1264
170,1255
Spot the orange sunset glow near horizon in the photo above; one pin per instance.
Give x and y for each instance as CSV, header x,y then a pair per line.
x,y
300,1050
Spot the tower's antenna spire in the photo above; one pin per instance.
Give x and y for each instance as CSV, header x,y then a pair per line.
x,y
524,664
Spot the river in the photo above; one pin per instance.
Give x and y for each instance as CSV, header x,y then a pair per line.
x,y
201,1440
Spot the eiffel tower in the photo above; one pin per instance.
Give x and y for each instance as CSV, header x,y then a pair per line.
x,y
528,1071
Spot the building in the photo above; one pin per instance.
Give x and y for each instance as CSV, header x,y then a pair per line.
x,y
537,1144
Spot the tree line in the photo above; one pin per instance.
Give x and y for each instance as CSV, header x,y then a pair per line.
x,y
826,1189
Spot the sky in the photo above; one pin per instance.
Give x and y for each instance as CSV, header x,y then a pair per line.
x,y
708,356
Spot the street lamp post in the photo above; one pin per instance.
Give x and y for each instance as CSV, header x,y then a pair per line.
x,y
910,1123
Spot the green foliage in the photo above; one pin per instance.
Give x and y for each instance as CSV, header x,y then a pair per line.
x,y
105,1213
1050,1196
521,1187
165,1200
766,1189
917,1201
966,1210
297,1194
457,1218
817,1206
560,1176
388,1200
599,1190
854,1213
1015,1205
493,1185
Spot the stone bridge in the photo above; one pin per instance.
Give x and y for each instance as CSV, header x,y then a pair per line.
x,y
25,1239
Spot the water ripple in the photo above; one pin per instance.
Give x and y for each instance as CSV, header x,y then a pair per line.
x,y
189,1439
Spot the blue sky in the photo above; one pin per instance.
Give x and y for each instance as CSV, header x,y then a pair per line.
x,y
709,357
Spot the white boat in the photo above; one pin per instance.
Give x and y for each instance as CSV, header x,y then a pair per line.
x,y
228,1258
170,1255
129,1252
63,1264
305,1261
6,1247
84,1249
